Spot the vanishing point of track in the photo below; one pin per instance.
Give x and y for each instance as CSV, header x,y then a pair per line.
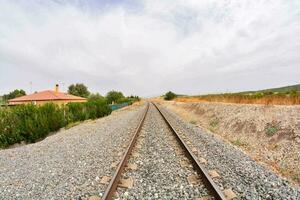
x,y
207,180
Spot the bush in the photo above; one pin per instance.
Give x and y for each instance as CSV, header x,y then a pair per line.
x,y
54,116
271,130
76,112
170,95
30,123
9,123
97,108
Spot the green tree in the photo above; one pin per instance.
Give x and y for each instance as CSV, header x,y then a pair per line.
x,y
94,97
114,96
79,89
14,94
170,95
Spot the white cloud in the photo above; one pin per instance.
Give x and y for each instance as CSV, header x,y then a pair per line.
x,y
148,47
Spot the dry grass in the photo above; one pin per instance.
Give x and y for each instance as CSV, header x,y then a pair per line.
x,y
244,99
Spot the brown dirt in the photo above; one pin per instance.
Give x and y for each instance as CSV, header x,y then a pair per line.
x,y
269,134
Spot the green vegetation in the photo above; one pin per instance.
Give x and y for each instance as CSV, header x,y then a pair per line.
x,y
214,123
133,99
30,123
96,96
13,94
169,96
72,124
79,89
116,97
271,129
193,122
280,89
238,142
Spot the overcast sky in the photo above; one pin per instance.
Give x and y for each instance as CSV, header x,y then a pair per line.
x,y
147,47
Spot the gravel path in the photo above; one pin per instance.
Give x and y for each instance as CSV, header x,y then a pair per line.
x,y
237,171
159,174
69,164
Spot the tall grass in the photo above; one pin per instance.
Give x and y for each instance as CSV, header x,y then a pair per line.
x,y
267,98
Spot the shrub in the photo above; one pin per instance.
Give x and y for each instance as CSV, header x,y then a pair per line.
x,y
54,116
30,123
9,133
97,108
271,130
76,112
170,95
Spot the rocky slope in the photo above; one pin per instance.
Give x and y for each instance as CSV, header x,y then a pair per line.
x,y
269,134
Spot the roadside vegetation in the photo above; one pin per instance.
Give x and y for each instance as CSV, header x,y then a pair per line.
x,y
30,123
116,97
279,96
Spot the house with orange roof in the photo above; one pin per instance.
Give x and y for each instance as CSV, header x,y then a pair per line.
x,y
47,96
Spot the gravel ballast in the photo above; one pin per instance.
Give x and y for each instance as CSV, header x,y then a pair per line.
x,y
244,176
159,174
69,164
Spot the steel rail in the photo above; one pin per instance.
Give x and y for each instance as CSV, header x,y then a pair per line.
x,y
113,184
213,188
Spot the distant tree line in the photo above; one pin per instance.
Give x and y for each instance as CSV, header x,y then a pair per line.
x,y
79,89
112,97
13,94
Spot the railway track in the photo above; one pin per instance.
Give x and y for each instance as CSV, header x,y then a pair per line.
x,y
212,189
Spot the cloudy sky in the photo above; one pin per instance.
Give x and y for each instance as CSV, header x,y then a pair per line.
x,y
147,47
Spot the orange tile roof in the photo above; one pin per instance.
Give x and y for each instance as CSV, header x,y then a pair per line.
x,y
46,95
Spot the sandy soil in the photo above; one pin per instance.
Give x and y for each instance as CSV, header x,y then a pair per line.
x,y
269,134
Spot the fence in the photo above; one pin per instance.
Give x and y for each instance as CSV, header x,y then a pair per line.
x,y
118,106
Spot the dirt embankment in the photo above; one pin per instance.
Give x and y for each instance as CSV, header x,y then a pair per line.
x,y
269,134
